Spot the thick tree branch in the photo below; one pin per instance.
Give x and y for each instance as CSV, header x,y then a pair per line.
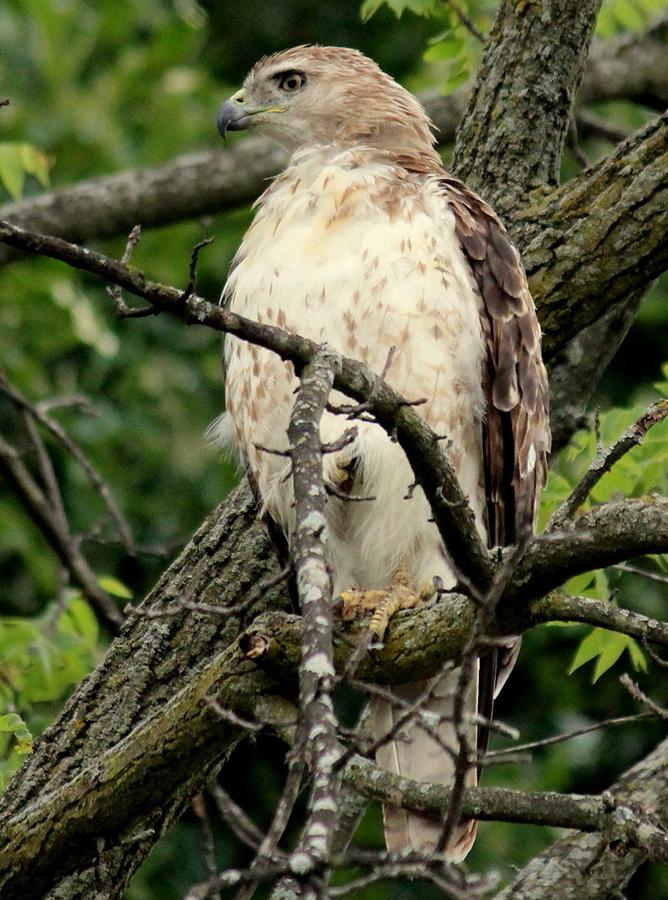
x,y
580,243
181,740
588,866
513,131
606,231
559,606
630,67
159,666
605,814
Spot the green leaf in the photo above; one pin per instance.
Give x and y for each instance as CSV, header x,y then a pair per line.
x,y
84,620
419,7
115,587
456,78
606,647
662,386
18,159
12,170
35,163
450,47
12,723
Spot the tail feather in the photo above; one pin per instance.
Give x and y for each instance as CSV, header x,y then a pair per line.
x,y
413,753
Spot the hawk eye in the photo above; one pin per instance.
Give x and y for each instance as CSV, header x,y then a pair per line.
x,y
291,81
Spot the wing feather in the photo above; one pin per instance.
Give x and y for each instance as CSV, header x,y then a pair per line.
x,y
516,432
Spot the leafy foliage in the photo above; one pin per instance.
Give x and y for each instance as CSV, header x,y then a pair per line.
x,y
453,52
398,7
41,659
626,15
641,471
17,160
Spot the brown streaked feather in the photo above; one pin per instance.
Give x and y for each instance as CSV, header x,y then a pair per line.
x,y
516,426
516,429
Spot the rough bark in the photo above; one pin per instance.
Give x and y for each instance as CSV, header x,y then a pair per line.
x,y
629,67
597,212
585,866
111,776
149,662
513,131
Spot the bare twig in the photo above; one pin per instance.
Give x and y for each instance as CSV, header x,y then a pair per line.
x,y
228,715
58,536
198,805
567,736
192,271
282,812
642,698
661,663
605,460
234,817
466,21
316,675
55,429
572,143
209,609
432,469
636,570
482,628
123,311
591,125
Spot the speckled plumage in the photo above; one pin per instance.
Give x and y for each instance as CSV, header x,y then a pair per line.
x,y
365,242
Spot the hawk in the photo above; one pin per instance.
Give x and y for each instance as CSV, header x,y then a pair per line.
x,y
366,243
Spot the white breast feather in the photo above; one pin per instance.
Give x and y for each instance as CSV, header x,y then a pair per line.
x,y
347,250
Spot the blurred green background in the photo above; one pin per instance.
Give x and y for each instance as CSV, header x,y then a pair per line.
x,y
98,87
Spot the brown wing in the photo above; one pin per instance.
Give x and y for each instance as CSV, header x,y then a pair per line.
x,y
516,432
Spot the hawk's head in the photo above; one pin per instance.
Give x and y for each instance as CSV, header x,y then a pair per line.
x,y
326,95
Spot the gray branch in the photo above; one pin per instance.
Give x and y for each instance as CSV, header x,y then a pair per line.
x,y
587,866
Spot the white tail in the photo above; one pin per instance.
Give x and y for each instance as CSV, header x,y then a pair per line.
x,y
413,753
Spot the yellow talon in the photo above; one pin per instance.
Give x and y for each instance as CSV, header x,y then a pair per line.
x,y
383,603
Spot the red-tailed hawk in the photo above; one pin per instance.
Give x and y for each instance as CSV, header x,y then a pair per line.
x,y
365,242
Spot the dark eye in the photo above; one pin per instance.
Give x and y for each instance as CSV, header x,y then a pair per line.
x,y
291,81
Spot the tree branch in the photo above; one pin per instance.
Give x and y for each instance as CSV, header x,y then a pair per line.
x,y
606,459
180,743
513,131
589,866
604,614
605,231
619,823
56,531
317,740
630,67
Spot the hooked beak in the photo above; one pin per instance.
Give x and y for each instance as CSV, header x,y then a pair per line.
x,y
235,115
